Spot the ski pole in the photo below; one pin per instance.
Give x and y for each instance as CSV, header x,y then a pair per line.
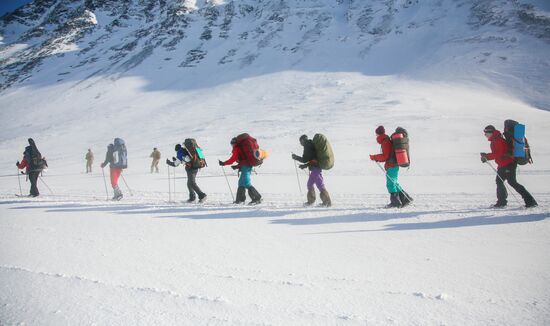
x,y
169,186
44,182
105,183
505,185
392,180
298,178
228,185
123,179
19,180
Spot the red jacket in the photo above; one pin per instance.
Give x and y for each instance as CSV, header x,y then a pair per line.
x,y
235,155
499,150
387,150
24,165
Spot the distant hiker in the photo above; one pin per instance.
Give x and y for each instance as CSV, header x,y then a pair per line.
x,y
89,161
247,154
310,160
506,170
156,159
398,197
117,158
193,158
33,163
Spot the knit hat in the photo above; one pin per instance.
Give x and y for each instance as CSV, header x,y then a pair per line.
x,y
303,137
489,129
380,130
233,141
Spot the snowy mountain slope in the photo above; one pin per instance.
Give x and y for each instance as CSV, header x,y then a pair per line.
x,y
500,42
76,74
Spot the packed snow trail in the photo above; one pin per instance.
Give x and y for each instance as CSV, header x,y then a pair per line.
x,y
158,263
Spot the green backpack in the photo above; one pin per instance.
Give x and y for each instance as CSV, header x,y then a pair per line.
x,y
325,156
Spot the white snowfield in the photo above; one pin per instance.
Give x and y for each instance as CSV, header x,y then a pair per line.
x,y
72,257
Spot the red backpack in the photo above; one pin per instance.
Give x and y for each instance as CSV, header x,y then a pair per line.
x,y
249,149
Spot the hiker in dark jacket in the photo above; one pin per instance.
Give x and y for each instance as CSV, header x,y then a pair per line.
x,y
33,163
183,156
309,160
506,170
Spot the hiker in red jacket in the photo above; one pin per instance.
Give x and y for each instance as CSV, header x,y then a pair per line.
x,y
398,197
506,168
245,179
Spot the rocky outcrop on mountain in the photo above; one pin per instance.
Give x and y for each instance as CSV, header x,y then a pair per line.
x,y
113,37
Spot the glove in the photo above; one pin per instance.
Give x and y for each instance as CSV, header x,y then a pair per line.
x,y
171,163
103,165
221,163
173,159
483,157
235,167
371,157
295,157
302,166
17,164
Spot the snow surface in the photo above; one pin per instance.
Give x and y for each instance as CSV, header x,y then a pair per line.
x,y
72,257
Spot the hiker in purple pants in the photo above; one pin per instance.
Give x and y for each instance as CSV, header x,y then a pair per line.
x,y
309,160
315,178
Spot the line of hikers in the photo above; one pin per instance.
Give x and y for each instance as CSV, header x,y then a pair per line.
x,y
508,151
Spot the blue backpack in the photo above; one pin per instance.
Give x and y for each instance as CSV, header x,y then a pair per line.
x,y
518,146
120,155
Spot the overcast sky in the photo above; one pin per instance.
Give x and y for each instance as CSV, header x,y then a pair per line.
x,y
10,5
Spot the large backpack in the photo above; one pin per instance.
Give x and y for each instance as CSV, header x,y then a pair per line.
x,y
197,160
120,154
36,161
400,147
518,146
251,153
325,155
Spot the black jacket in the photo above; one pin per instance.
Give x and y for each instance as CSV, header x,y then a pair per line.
x,y
310,154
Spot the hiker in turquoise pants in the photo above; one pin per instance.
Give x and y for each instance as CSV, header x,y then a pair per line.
x,y
398,197
245,179
391,180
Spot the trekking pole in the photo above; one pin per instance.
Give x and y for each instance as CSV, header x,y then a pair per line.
x,y
228,185
298,178
392,180
169,186
105,183
123,179
496,171
19,180
174,183
44,182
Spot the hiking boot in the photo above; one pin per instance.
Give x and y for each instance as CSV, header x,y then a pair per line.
x,y
531,203
395,201
310,198
254,195
325,198
241,196
499,205
190,200
202,199
118,193
405,198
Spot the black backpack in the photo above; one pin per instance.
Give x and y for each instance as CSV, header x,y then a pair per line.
x,y
36,161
